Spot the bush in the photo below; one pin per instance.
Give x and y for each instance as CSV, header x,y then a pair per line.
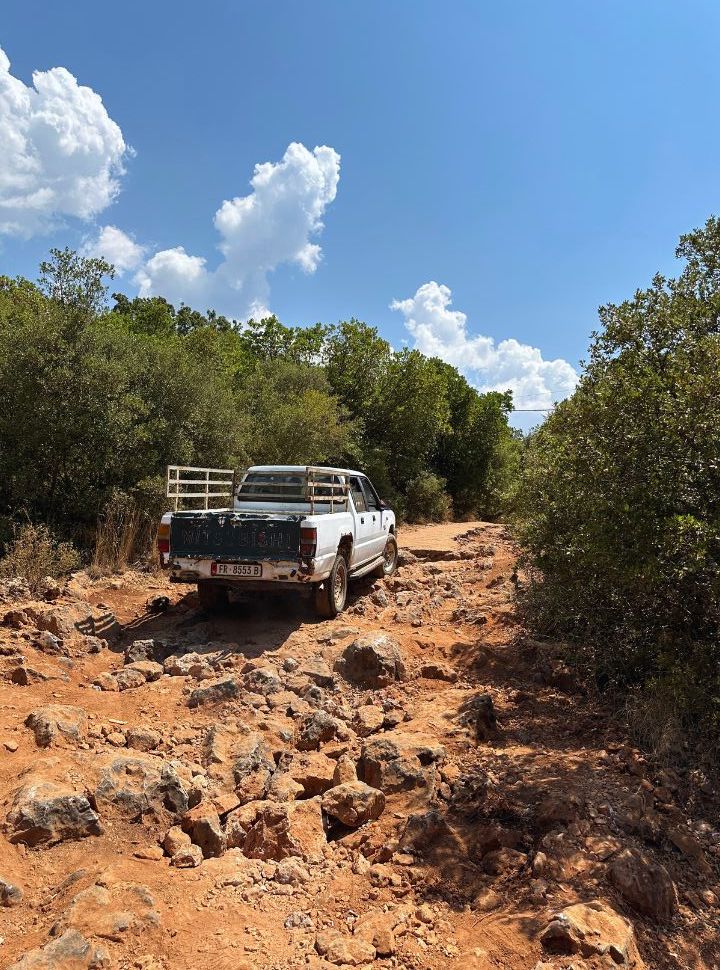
x,y
34,553
620,497
426,499
95,400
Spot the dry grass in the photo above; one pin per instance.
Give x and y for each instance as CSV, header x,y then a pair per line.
x,y
35,553
125,534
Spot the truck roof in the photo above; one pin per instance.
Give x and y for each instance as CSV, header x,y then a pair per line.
x,y
303,469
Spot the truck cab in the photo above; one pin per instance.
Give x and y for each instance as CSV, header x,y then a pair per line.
x,y
290,528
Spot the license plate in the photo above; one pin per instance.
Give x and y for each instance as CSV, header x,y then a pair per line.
x,y
236,569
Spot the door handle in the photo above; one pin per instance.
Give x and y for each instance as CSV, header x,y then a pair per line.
x,y
373,518
362,520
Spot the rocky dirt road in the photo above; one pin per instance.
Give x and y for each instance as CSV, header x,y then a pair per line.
x,y
415,784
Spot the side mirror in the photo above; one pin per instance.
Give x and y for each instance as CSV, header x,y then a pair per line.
x,y
383,504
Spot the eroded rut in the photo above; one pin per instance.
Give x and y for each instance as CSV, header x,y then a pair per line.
x,y
416,784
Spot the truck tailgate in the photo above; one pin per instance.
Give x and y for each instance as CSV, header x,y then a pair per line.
x,y
233,537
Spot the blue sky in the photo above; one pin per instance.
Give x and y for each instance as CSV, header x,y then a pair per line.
x,y
532,159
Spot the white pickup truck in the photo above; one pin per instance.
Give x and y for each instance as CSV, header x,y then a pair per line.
x,y
290,527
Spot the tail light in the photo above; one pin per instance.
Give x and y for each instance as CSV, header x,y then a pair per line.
x,y
308,543
163,538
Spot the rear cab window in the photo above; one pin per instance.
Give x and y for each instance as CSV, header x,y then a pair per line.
x,y
288,487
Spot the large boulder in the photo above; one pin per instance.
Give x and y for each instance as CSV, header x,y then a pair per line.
x,y
150,670
143,738
318,671
140,650
110,911
592,929
373,660
239,822
127,678
644,884
212,693
315,729
263,680
63,621
348,951
282,829
353,803
57,722
421,830
203,826
253,767
369,718
193,665
377,927
314,771
400,762
44,812
71,951
134,786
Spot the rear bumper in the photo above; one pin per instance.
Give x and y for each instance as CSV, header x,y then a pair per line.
x,y
287,573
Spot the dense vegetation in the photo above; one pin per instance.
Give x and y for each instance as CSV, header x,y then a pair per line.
x,y
96,399
620,503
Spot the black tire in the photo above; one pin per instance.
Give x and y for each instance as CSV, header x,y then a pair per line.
x,y
389,564
331,594
211,595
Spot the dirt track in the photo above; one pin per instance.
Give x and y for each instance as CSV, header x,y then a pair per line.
x,y
506,828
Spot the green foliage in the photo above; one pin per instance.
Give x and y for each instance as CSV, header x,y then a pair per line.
x,y
293,418
95,401
356,359
34,553
620,496
74,282
85,410
426,499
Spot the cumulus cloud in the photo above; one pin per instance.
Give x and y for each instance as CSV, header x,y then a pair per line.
x,y
61,152
116,247
274,224
440,331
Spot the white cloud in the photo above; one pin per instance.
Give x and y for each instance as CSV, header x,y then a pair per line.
x,y
116,247
440,331
272,225
61,152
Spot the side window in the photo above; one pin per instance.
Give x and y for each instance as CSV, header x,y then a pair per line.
x,y
358,495
373,502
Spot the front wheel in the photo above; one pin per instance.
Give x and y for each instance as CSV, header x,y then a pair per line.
x,y
211,595
331,595
390,558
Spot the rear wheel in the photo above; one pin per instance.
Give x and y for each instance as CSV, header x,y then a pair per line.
x,y
390,558
330,596
211,595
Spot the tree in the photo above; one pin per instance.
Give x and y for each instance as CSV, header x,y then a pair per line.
x,y
620,497
75,282
268,339
478,452
356,359
94,402
410,412
294,417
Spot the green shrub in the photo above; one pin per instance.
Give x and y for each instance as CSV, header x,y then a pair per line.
x,y
34,553
619,502
426,499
